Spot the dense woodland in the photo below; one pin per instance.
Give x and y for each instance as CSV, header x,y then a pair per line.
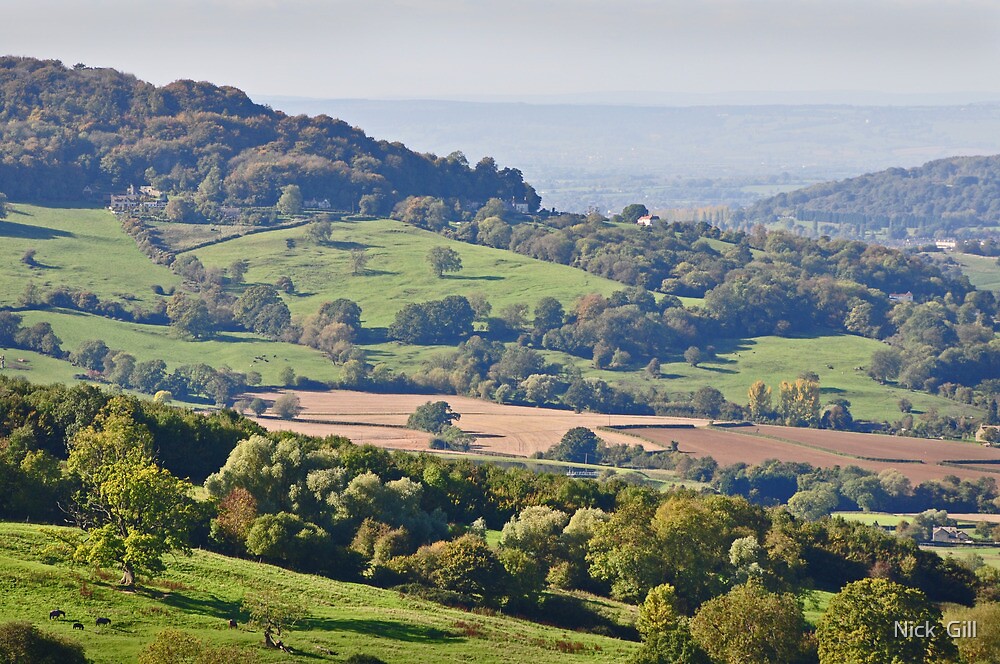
x,y
417,523
66,129
942,196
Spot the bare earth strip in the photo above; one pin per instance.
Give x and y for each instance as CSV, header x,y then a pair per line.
x,y
380,419
749,447
928,450
516,430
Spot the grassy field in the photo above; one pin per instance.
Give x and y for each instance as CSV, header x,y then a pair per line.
x,y
83,249
814,603
983,271
398,272
87,249
989,554
774,359
156,342
36,368
200,594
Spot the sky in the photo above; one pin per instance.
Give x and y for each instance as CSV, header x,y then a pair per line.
x,y
525,49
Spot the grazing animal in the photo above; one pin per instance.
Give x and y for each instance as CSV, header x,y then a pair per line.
x,y
77,625
232,624
102,621
58,613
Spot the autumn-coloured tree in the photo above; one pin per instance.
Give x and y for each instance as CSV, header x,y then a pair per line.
x,y
799,402
759,401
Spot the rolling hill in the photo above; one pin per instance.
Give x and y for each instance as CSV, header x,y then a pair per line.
x,y
946,194
200,594
72,244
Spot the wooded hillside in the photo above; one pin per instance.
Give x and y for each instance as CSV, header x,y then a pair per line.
x,y
64,129
946,194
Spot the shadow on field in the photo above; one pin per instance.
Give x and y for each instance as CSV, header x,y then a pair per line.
x,y
345,245
485,277
209,606
398,631
378,273
718,370
27,232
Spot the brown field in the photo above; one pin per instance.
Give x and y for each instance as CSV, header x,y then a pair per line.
x,y
754,445
380,419
928,450
516,430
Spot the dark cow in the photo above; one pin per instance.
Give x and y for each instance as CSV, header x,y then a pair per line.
x,y
77,625
102,621
232,624
58,613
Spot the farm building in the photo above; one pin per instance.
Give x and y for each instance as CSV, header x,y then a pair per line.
x,y
950,535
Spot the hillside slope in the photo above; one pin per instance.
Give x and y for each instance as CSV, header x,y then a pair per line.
x,y
63,130
943,194
200,594
398,272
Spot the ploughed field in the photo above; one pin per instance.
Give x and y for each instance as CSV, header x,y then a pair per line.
x,y
918,458
380,419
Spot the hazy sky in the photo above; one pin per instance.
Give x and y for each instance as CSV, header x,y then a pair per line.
x,y
522,48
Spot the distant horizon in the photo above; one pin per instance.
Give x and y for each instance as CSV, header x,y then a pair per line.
x,y
528,49
860,98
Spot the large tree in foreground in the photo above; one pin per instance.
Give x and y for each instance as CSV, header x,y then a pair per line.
x,y
860,625
132,511
749,625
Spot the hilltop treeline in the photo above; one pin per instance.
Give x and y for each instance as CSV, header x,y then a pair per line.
x,y
946,194
63,129
418,523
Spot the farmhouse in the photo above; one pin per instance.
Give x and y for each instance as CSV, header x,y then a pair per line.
x,y
950,535
148,197
646,220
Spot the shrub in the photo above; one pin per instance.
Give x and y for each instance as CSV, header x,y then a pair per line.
x,y
23,642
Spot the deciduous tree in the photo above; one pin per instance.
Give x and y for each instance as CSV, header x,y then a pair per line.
x,y
860,626
443,259
132,511
749,625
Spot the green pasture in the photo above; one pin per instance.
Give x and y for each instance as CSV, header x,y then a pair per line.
x,y
236,350
814,603
80,248
397,272
741,362
35,367
199,594
983,271
990,554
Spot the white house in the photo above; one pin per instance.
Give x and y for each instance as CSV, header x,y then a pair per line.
x,y
949,535
646,220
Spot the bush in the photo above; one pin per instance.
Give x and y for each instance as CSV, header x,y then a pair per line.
x,y
364,659
23,643
287,406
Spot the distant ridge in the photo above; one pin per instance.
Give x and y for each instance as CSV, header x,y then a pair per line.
x,y
946,194
65,129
